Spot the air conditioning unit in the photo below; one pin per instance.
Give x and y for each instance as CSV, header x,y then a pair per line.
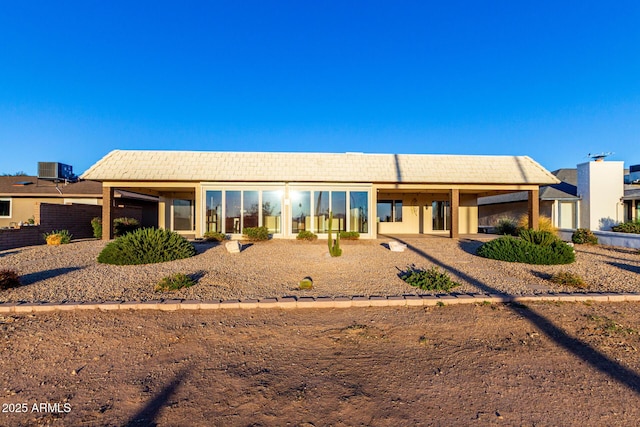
x,y
55,171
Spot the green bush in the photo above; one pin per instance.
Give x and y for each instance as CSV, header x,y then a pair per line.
x,y
349,235
584,235
214,236
146,246
256,233
429,280
306,235
541,238
122,226
628,227
174,283
507,226
513,249
57,237
9,279
568,279
96,224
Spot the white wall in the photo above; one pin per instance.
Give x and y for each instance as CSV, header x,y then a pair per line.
x,y
601,186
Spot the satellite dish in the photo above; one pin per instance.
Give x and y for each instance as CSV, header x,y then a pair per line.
x,y
600,156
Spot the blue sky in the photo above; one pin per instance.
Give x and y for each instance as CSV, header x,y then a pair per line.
x,y
552,80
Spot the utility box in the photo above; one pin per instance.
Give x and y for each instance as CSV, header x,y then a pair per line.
x,y
601,188
55,171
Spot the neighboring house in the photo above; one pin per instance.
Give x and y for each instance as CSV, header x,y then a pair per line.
x,y
593,195
291,192
21,195
560,202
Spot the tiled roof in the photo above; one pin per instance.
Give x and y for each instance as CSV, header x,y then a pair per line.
x,y
565,189
121,165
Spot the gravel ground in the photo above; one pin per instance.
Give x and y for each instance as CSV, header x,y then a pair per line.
x,y
274,268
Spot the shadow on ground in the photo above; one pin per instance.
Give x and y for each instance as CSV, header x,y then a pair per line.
x,y
582,350
147,415
32,278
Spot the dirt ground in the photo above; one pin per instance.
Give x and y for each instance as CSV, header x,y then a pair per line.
x,y
534,365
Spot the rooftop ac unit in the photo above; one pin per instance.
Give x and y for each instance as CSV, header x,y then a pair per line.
x,y
55,171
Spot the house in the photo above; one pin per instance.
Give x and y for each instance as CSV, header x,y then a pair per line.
x,y
22,196
291,192
593,195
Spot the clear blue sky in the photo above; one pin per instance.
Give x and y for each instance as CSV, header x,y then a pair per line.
x,y
552,80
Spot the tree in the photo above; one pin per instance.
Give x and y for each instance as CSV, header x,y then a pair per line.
x,y
19,173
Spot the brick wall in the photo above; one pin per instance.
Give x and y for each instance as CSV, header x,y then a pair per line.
x,y
74,217
18,237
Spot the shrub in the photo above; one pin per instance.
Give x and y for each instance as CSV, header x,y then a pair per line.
x,y
306,283
306,235
628,227
57,237
568,279
584,235
544,223
349,235
214,236
256,233
96,224
9,279
512,249
122,226
146,246
507,226
537,237
428,280
175,282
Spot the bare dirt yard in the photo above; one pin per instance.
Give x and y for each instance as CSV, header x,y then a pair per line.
x,y
536,365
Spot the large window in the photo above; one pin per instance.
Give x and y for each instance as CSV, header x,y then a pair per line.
x,y
300,211
233,212
214,211
389,210
272,211
5,208
339,210
183,215
359,211
250,209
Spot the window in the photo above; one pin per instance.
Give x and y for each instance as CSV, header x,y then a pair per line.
x,y
300,211
272,210
183,215
440,215
390,210
5,208
359,211
214,211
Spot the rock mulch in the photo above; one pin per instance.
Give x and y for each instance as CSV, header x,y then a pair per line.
x,y
274,269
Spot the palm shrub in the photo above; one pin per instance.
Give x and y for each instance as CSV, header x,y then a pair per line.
x,y
175,282
429,280
544,223
507,226
96,224
307,235
537,237
512,249
57,237
214,236
122,226
256,233
334,246
9,279
349,235
146,246
628,227
584,235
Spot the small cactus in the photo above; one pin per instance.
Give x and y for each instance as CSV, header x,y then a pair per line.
x,y
334,246
306,283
